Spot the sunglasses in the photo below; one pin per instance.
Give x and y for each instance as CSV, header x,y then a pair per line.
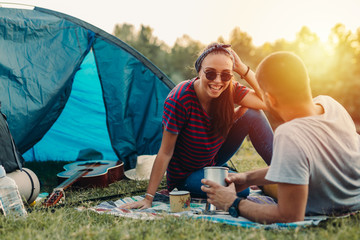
x,y
211,75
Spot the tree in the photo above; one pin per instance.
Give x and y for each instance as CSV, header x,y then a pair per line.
x,y
182,58
125,32
334,72
317,59
346,68
147,44
242,44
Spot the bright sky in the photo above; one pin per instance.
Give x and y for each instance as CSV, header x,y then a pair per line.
x,y
206,20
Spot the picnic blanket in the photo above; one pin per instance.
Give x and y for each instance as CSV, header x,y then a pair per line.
x,y
161,207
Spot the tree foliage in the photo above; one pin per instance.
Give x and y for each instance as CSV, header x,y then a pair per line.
x,y
333,66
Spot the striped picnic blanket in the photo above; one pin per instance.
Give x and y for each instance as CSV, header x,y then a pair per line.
x,y
161,207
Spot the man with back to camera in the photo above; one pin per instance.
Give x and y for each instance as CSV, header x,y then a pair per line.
x,y
316,156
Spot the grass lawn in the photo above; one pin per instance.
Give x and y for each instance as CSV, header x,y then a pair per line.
x,y
64,222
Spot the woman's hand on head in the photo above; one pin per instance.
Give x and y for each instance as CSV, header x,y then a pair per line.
x,y
239,66
143,204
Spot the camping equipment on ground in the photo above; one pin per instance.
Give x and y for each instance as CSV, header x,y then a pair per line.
x,y
91,173
27,182
10,201
143,168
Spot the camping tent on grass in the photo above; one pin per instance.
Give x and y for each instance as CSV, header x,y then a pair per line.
x,y
67,86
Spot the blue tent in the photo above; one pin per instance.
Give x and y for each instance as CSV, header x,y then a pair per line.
x,y
67,86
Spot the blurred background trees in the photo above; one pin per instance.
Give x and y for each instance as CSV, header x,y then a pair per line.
x,y
334,66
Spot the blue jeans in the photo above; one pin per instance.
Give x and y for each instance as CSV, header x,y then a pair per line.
x,y
253,123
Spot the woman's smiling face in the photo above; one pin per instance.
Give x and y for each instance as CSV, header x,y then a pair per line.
x,y
219,63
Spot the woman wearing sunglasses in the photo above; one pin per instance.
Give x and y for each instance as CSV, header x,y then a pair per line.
x,y
203,128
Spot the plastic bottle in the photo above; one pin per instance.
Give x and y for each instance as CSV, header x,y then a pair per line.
x,y
11,202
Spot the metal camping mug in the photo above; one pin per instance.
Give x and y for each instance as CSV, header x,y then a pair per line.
x,y
218,175
179,201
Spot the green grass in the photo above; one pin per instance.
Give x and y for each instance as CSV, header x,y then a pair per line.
x,y
64,222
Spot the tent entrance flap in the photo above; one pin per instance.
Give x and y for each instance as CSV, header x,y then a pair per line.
x,y
82,123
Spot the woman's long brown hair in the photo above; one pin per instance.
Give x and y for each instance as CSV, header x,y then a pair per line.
x,y
222,111
222,108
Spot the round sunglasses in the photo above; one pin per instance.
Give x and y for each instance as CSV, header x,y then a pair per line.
x,y
224,76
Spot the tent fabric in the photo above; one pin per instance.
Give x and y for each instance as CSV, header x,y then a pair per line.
x,y
75,126
66,86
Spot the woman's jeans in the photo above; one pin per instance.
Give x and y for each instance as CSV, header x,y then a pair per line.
x,y
253,123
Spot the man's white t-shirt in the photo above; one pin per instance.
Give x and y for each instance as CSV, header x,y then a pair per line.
x,y
321,151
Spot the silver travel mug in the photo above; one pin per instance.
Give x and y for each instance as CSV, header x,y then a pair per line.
x,y
218,175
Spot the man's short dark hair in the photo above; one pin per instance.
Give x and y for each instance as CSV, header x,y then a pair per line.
x,y
284,75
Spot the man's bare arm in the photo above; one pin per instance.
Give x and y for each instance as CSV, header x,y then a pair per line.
x,y
291,206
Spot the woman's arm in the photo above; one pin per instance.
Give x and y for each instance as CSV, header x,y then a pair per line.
x,y
254,98
251,100
242,69
161,162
